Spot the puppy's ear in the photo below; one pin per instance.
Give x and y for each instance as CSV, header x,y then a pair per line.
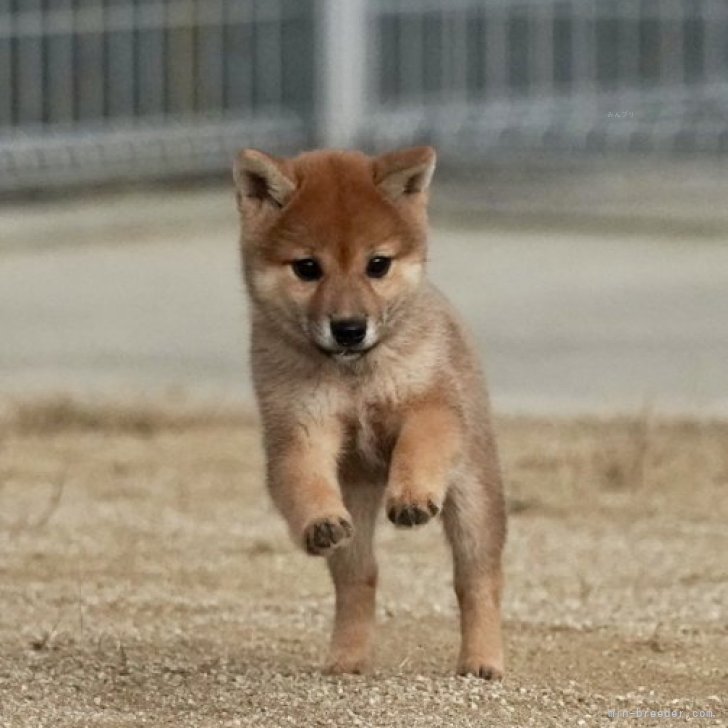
x,y
405,173
262,182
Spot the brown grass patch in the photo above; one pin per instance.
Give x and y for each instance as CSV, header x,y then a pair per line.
x,y
157,586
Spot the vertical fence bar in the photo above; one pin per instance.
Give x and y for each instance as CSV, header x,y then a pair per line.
x,y
180,56
608,40
297,60
7,101
474,19
496,49
268,55
672,52
90,59
480,38
519,51
120,71
412,55
715,40
444,84
457,54
373,59
628,55
29,67
208,86
542,58
150,49
343,28
239,63
59,62
563,44
693,34
584,47
433,55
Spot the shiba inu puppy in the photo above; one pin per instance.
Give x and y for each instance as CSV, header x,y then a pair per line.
x,y
369,388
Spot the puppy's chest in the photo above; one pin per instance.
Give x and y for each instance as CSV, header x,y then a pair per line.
x,y
371,432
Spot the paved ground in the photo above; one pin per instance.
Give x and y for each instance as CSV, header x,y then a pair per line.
x,y
145,580
140,294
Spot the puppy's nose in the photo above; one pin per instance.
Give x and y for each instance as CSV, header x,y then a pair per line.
x,y
349,332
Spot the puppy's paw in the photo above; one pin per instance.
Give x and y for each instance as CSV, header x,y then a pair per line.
x,y
325,534
346,665
480,668
407,512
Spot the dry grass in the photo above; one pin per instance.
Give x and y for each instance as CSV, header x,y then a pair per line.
x,y
146,580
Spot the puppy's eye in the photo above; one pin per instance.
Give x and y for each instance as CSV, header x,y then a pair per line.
x,y
378,266
307,269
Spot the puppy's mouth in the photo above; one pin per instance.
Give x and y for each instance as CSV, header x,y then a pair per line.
x,y
348,353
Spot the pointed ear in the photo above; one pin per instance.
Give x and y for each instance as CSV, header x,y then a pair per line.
x,y
404,173
262,181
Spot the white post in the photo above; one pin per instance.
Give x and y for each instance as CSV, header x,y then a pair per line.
x,y
342,75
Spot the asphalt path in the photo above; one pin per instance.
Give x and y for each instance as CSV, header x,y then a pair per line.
x,y
100,301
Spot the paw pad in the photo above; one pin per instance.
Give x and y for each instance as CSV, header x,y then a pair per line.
x,y
326,534
412,514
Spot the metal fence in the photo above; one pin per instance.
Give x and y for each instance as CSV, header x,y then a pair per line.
x,y
579,75
98,89
101,89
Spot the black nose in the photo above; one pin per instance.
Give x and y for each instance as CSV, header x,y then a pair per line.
x,y
349,332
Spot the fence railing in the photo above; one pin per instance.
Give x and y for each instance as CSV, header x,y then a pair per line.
x,y
99,89
95,89
555,74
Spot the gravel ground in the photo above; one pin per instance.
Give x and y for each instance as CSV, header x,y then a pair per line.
x,y
146,581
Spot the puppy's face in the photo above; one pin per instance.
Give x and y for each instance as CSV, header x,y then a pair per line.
x,y
334,243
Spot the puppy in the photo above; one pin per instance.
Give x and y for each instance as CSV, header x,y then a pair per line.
x,y
368,385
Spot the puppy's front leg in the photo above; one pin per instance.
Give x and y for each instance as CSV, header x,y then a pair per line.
x,y
302,478
423,457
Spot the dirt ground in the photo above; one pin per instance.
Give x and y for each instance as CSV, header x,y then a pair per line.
x,y
145,579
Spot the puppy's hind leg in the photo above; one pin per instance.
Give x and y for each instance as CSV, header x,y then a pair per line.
x,y
354,572
474,519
